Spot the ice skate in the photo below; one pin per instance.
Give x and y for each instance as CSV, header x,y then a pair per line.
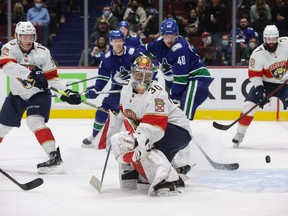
x,y
87,142
165,188
237,140
52,165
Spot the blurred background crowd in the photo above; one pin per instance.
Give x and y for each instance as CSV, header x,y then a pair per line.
x,y
206,24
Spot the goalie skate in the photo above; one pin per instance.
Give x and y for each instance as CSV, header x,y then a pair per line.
x,y
52,165
174,188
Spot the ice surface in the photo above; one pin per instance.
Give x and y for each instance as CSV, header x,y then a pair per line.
x,y
256,189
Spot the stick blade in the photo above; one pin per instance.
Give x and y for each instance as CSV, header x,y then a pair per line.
x,y
233,166
95,182
220,126
32,184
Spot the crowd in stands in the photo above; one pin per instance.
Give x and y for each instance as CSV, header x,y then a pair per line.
x,y
206,24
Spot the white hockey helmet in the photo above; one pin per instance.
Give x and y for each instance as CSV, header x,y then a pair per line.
x,y
141,73
25,28
270,31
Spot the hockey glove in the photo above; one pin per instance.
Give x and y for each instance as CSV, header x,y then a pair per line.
x,y
38,76
260,96
73,98
91,92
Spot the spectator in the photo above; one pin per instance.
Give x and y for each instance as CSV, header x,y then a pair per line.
x,y
207,50
243,33
224,52
96,52
134,21
150,26
281,17
216,20
102,29
18,13
194,25
118,9
200,8
260,23
138,9
108,17
39,16
26,5
130,39
252,45
189,4
254,9
59,8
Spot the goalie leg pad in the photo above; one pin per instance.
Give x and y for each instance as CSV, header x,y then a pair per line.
x,y
127,177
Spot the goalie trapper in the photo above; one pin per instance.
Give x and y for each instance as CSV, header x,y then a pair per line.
x,y
49,166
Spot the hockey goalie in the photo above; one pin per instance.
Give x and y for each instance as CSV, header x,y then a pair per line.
x,y
150,136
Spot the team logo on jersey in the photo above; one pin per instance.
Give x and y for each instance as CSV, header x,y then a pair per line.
x,y
5,52
165,66
252,63
278,69
122,75
159,105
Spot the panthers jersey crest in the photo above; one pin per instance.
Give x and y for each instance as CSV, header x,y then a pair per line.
x,y
278,69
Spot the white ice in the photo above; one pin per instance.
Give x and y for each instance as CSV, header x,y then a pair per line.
x,y
257,188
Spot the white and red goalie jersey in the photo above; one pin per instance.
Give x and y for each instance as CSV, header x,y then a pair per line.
x,y
17,65
152,110
269,67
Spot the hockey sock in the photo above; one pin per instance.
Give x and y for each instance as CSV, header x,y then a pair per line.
x,y
100,120
46,139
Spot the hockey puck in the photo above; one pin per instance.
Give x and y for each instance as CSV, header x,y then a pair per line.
x,y
267,159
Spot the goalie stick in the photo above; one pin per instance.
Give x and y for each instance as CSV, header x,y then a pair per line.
x,y
27,186
94,181
220,166
226,127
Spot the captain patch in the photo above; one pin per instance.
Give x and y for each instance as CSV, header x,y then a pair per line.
x,y
159,105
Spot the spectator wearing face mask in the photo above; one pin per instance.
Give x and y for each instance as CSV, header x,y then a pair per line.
x,y
252,45
260,23
207,50
224,52
39,16
138,9
109,18
254,9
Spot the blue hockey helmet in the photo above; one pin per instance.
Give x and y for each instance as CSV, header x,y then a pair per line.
x,y
169,27
124,24
116,34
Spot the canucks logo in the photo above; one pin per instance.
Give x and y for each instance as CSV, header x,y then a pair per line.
x,y
121,75
166,69
278,69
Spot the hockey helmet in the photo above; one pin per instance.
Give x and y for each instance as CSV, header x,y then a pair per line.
x,y
124,24
116,34
169,27
271,31
25,28
141,73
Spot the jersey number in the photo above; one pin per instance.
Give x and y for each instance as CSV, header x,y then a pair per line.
x,y
181,60
154,88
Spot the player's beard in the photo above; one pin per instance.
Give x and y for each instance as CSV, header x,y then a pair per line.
x,y
271,47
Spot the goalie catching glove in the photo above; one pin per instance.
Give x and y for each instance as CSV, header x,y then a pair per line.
x,y
39,78
72,97
129,148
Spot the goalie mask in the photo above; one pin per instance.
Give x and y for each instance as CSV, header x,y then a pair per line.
x,y
25,32
141,73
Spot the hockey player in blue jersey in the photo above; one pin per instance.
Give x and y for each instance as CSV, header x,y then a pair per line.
x,y
130,40
185,75
115,65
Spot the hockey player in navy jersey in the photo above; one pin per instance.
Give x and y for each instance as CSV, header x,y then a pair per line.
x,y
115,65
186,76
31,70
130,40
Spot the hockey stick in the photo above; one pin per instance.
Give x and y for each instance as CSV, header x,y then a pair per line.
x,y
69,84
27,186
226,127
94,181
220,166
100,92
83,101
